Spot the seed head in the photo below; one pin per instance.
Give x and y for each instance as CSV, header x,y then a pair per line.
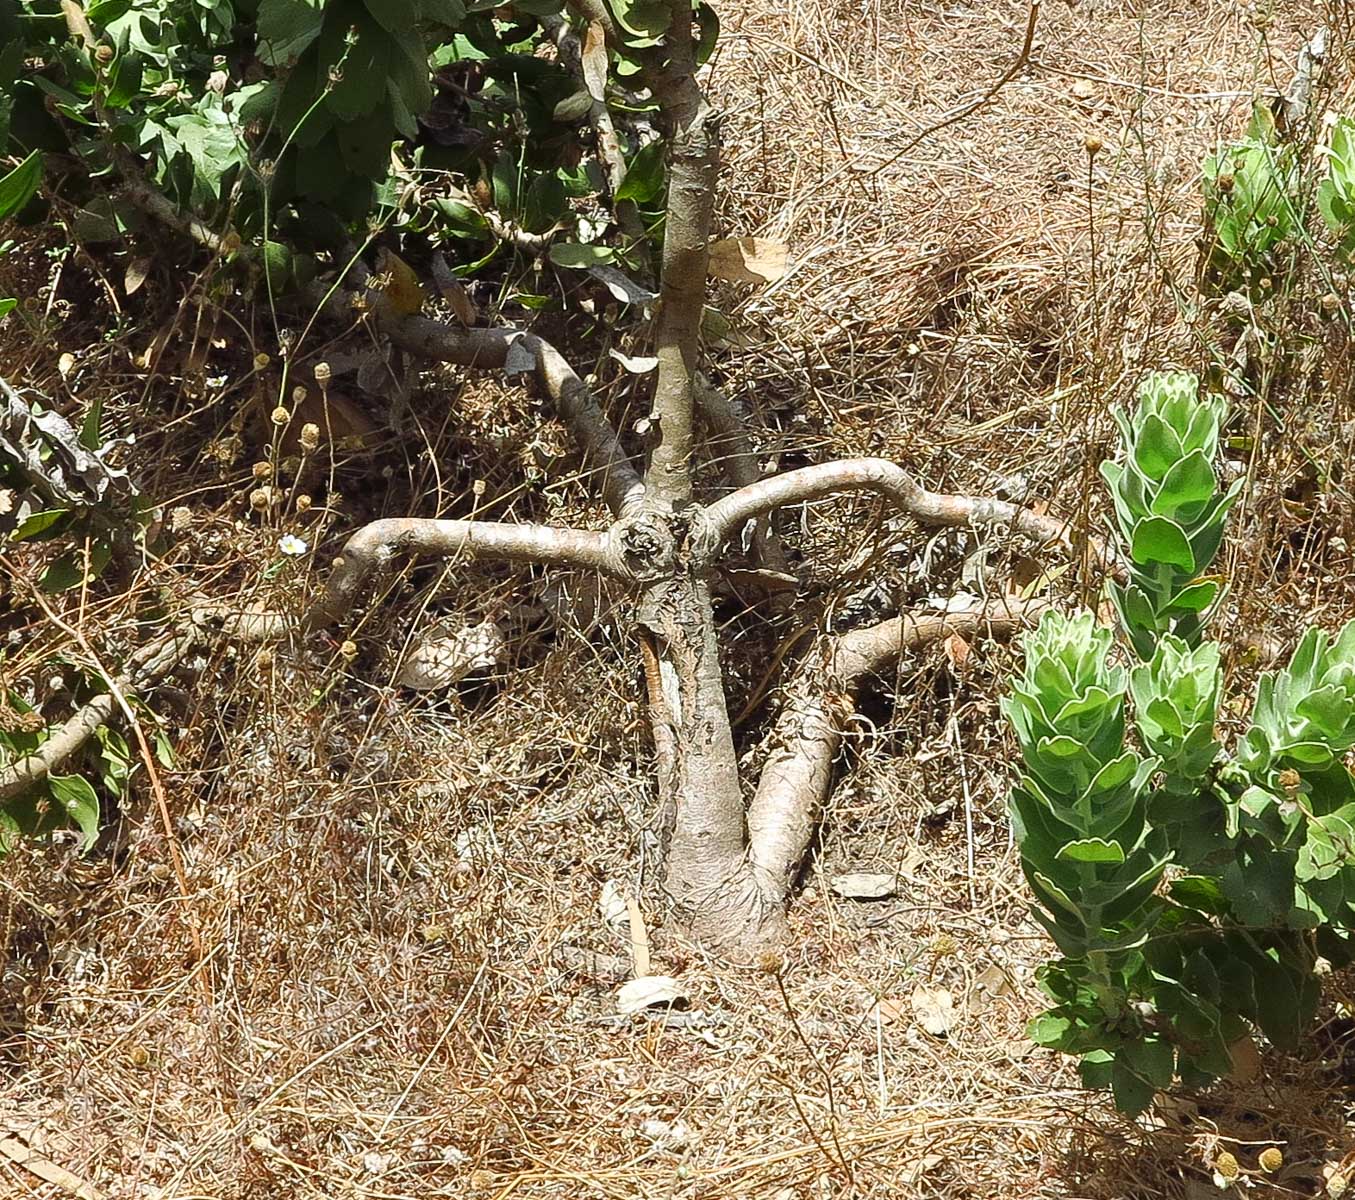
x,y
303,503
280,416
1225,182
1271,1160
261,360
263,470
310,437
1093,145
1226,1165
349,650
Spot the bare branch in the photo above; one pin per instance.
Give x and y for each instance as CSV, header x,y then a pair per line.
x,y
149,665
737,458
730,513
373,550
808,732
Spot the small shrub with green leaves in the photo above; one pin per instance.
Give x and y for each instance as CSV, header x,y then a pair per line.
x,y
1252,203
1336,192
1195,895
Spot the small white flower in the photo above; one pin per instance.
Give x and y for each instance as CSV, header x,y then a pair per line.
x,y
216,381
292,546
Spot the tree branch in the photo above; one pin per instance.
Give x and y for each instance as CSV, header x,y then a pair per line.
x,y
694,162
808,732
373,550
738,460
730,513
146,667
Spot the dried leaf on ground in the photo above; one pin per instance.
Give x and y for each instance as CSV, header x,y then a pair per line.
x,y
444,655
864,885
653,991
934,1008
748,260
614,909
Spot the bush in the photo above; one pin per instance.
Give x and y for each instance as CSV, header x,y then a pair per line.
x,y
1196,895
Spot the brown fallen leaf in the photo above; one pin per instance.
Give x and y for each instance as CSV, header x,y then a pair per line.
x,y
400,284
957,652
748,260
454,292
135,275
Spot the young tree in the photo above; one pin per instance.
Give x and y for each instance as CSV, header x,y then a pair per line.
x,y
731,857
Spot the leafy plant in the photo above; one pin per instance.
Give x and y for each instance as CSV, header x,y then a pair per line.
x,y
1167,511
1193,894
1336,192
1251,203
17,188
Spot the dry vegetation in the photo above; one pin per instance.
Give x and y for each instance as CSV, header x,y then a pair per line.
x,y
404,988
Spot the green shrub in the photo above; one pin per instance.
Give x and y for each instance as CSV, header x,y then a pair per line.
x,y
1193,894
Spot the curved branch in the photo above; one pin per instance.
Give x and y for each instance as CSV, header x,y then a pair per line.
x,y
373,550
808,732
730,513
147,666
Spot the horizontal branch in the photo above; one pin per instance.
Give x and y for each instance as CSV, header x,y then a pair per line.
x,y
808,732
374,549
730,513
147,666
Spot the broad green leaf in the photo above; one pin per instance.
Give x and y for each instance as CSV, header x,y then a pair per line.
x,y
1157,448
579,257
462,219
1186,487
63,573
1152,1059
394,16
286,28
1132,1092
1092,850
1050,1030
20,185
1195,597
1158,540
38,523
1200,892
79,802
645,175
7,305
91,436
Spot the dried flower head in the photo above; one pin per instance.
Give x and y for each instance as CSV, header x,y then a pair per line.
x,y
261,498
349,649
280,416
1225,1165
303,503
322,374
262,470
310,437
1270,1160
261,361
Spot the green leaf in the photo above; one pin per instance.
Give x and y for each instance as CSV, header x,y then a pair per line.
x,y
7,305
39,523
286,28
20,185
1201,893
580,257
91,438
394,16
1195,597
1157,447
462,220
1153,1060
1158,540
1186,487
645,175
80,803
1092,850
1132,1092
1050,1030
63,573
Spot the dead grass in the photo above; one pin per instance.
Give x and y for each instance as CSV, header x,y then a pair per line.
x,y
407,990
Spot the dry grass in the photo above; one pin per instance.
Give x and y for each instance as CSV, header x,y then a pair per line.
x,y
406,990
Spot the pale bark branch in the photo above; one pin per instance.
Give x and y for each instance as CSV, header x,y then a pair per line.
x,y
375,548
730,513
146,667
738,460
808,733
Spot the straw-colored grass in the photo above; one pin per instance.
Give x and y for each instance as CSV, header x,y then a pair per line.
x,y
404,987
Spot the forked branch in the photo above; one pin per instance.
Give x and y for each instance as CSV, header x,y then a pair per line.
x,y
808,733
